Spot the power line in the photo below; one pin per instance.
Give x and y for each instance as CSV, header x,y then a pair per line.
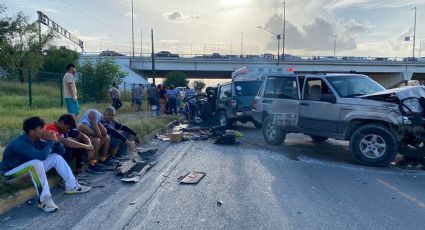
x,y
94,18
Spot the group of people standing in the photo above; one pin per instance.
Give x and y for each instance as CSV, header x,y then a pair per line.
x,y
166,99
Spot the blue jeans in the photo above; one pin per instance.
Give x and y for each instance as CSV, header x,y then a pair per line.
x,y
172,105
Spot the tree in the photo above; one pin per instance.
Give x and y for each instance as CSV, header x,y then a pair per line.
x,y
55,60
198,85
176,78
96,78
20,44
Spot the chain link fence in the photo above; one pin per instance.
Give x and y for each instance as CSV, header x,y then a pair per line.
x,y
42,89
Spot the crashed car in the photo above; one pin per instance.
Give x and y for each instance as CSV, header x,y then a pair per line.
x,y
377,122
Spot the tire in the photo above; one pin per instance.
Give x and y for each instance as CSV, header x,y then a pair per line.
x,y
223,119
414,151
197,118
273,135
257,125
318,139
374,145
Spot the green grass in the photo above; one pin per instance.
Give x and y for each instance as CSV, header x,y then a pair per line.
x,y
14,108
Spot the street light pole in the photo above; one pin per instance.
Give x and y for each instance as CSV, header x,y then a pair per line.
x,y
132,26
278,36
284,31
420,47
414,35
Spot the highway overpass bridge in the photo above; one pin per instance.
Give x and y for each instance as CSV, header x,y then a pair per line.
x,y
388,73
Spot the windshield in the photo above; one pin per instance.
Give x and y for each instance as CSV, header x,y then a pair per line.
x,y
247,88
352,86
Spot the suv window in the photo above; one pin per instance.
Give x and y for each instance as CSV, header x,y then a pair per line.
x,y
281,87
351,86
247,88
314,88
225,91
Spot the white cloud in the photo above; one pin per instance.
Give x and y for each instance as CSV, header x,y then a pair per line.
x,y
372,4
178,16
318,35
397,43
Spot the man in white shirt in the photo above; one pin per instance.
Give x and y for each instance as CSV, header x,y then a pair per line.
x,y
70,91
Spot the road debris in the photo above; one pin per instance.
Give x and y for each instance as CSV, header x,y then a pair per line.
x,y
136,176
191,178
132,203
144,152
219,202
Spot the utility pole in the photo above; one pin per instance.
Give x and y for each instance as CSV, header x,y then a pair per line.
x,y
242,44
278,48
39,36
132,25
141,41
334,46
153,58
414,35
284,31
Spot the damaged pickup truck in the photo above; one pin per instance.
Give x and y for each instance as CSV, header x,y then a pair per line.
x,y
377,122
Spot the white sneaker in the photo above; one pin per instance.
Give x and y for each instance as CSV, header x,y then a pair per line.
x,y
78,189
48,205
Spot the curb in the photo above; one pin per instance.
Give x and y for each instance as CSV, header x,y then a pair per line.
x,y
11,201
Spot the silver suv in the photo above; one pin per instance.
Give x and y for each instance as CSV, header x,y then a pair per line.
x,y
377,122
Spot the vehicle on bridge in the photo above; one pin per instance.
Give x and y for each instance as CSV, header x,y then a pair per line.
x,y
378,123
166,54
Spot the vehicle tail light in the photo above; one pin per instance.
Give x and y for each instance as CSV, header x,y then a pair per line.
x,y
254,104
234,104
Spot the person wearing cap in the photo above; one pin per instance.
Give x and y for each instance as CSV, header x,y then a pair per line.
x,y
70,90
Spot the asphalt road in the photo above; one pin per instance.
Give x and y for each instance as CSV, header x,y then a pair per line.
x,y
298,185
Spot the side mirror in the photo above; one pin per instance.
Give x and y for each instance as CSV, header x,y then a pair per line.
x,y
328,98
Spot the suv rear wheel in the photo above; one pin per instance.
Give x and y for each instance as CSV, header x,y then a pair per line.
x,y
374,145
273,134
223,119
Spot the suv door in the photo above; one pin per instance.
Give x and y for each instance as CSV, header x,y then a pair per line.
x,y
225,99
281,98
318,114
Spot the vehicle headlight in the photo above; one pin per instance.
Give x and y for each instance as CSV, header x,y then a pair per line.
x,y
412,105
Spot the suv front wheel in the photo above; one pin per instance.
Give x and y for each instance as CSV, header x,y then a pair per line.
x,y
273,134
374,145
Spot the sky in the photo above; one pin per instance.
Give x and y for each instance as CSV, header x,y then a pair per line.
x,y
373,28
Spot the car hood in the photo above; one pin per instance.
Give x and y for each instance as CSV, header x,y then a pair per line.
x,y
397,93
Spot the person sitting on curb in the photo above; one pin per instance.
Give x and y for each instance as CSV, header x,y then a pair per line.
x,y
76,144
91,126
119,140
29,154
